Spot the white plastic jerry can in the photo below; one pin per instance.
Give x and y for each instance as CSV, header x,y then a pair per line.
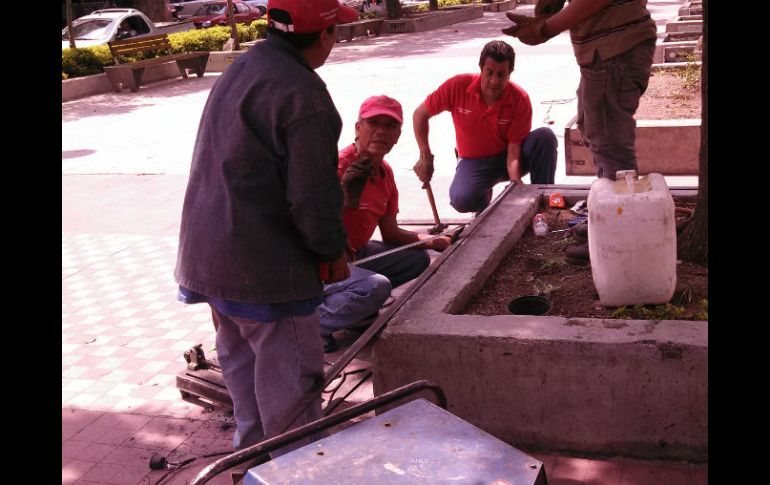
x,y
632,239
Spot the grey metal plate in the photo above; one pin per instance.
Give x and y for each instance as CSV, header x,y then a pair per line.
x,y
417,442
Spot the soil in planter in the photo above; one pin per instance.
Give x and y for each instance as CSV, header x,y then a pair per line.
x,y
672,94
536,265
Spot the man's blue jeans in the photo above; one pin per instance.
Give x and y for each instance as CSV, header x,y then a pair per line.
x,y
471,189
348,302
268,369
608,96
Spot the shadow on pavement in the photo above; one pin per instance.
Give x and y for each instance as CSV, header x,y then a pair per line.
x,y
113,103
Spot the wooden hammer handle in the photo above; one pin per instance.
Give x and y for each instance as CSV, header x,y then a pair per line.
x,y
432,201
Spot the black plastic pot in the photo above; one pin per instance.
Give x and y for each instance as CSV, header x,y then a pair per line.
x,y
529,305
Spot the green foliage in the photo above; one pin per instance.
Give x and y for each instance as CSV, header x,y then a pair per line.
x,y
704,313
423,7
210,39
544,289
650,312
91,60
690,74
453,3
550,264
685,296
260,28
84,61
661,312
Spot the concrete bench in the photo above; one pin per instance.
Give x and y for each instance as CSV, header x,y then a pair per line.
x,y
129,73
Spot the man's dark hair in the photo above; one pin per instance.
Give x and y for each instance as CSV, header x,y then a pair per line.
x,y
499,51
298,41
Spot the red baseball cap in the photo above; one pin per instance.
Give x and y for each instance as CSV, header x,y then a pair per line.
x,y
307,16
381,105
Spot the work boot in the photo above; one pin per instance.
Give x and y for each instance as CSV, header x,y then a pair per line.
x,y
578,255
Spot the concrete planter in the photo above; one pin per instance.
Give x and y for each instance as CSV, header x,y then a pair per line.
x,y
685,26
691,8
668,147
221,60
433,20
499,6
360,28
595,387
80,87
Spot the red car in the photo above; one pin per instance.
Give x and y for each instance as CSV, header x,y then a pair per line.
x,y
215,13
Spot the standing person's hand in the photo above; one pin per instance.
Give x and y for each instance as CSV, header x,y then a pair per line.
x,y
529,30
338,270
424,167
548,7
354,180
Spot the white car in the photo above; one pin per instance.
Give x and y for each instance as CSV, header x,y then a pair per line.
x,y
102,26
260,5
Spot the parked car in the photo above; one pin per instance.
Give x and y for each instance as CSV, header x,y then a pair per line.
x,y
215,13
185,9
260,5
111,24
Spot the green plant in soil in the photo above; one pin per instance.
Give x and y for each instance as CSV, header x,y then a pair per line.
x,y
690,73
704,313
649,312
550,264
660,312
544,289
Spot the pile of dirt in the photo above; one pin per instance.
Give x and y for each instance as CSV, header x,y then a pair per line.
x,y
672,94
536,265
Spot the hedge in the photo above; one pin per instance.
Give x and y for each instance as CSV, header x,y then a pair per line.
x,y
84,61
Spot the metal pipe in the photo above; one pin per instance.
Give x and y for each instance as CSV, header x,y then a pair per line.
x,y
281,440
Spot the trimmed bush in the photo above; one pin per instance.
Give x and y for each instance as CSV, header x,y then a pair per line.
x,y
84,61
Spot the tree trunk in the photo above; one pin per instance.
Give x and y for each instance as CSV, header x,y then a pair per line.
x,y
69,24
432,5
231,21
693,243
156,10
393,9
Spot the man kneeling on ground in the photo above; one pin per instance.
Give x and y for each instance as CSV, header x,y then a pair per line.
x,y
371,200
492,118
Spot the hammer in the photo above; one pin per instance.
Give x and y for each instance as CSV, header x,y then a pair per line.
x,y
439,227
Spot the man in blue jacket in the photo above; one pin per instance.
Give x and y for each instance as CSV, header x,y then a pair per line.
x,y
262,214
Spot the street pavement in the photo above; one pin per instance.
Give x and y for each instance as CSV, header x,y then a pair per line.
x,y
125,161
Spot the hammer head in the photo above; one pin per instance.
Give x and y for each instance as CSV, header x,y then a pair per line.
x,y
438,228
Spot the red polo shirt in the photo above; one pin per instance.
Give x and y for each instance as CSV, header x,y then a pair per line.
x,y
379,198
480,130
